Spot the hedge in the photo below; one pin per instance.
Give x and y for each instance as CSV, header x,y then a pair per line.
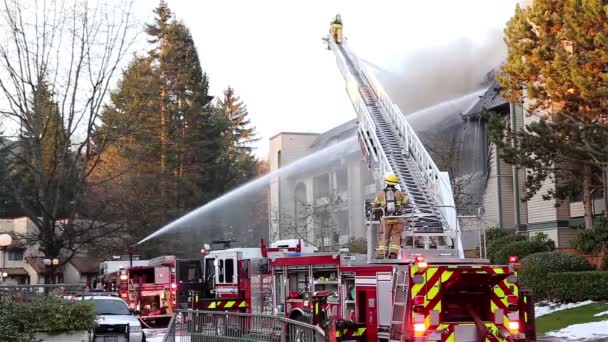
x,y
520,249
578,286
51,315
535,267
495,245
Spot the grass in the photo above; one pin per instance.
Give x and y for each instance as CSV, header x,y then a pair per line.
x,y
564,318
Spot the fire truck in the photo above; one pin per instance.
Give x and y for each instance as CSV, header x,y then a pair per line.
x,y
155,288
412,298
239,279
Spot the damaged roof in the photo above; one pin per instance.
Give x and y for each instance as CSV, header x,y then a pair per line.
x,y
490,100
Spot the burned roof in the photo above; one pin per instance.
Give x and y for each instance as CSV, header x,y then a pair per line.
x,y
490,100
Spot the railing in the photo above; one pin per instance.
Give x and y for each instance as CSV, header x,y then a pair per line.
x,y
366,124
194,325
410,230
438,182
23,293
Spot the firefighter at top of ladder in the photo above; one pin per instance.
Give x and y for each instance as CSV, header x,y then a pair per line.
x,y
335,29
393,202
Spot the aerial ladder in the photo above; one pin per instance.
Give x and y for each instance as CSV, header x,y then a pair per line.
x,y
390,145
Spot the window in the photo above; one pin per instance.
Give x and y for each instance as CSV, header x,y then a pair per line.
x,y
229,271
342,180
209,269
15,254
320,186
220,271
110,307
343,222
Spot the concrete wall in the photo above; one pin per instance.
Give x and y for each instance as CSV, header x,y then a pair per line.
x,y
290,147
20,226
353,190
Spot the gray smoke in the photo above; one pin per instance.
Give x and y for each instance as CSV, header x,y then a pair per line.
x,y
430,76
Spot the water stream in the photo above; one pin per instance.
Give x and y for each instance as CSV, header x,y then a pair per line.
x,y
428,118
304,166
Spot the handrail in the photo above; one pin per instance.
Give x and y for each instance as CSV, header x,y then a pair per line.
x,y
363,115
237,326
436,180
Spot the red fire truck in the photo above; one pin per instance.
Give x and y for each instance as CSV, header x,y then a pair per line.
x,y
156,287
409,299
239,279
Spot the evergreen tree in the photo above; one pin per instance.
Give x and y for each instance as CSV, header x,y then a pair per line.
x,y
558,50
174,150
238,120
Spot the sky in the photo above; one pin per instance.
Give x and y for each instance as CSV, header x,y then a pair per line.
x,y
271,53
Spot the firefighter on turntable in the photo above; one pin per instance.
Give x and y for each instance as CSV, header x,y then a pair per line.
x,y
393,202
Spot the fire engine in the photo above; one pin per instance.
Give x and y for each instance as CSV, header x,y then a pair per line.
x,y
154,288
409,299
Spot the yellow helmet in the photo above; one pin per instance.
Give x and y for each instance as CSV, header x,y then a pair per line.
x,y
391,179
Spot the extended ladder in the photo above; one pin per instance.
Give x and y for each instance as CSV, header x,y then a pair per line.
x,y
391,146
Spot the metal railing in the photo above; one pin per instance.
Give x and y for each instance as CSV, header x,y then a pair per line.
x,y
410,230
196,325
22,293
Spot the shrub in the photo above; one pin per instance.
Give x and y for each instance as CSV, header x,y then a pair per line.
x,y
578,286
535,267
521,249
592,240
51,315
495,245
496,233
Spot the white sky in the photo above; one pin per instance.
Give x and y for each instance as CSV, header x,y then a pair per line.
x,y
272,54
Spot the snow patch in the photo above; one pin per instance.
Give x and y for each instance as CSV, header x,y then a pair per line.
x,y
582,332
155,335
154,339
545,308
601,314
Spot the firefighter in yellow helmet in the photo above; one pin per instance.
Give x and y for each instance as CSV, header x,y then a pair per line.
x,y
335,29
393,202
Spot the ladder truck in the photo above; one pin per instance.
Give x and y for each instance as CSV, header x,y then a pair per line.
x,y
436,294
430,292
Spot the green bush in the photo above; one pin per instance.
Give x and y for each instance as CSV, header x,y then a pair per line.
x,y
535,267
520,249
51,315
578,286
494,246
497,233
592,240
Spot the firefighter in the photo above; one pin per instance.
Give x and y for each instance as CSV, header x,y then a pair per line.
x,y
393,202
336,29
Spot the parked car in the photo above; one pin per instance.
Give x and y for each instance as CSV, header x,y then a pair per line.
x,y
115,321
